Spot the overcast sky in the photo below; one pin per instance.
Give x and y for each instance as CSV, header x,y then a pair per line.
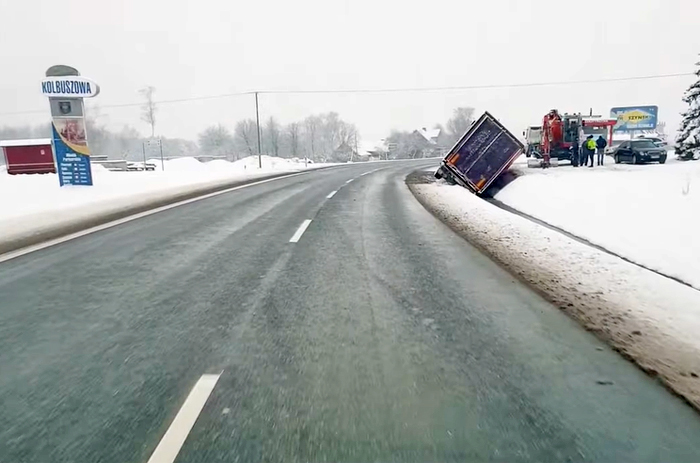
x,y
188,48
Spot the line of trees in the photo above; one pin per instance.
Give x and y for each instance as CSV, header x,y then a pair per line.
x,y
124,144
322,138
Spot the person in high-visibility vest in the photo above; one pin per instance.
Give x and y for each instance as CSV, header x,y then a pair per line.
x,y
590,148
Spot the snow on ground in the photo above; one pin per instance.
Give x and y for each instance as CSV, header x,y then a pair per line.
x,y
649,318
247,164
650,214
31,203
41,193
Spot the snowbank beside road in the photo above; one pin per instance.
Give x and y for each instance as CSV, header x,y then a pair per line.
x,y
26,195
649,214
247,164
650,319
34,205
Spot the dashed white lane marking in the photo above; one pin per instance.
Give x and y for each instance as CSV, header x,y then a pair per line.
x,y
349,181
37,247
171,443
300,231
365,173
331,194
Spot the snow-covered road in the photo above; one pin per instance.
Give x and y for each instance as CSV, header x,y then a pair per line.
x,y
31,205
647,317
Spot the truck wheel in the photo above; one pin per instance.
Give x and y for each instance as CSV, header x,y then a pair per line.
x,y
438,173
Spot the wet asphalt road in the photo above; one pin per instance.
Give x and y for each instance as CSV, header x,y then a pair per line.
x,y
378,336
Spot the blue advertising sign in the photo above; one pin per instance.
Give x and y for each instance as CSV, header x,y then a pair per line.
x,y
631,118
66,88
72,155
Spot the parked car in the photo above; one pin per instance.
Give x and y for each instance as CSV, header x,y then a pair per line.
x,y
655,140
639,151
610,149
140,166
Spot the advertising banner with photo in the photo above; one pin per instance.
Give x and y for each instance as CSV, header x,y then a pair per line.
x,y
71,151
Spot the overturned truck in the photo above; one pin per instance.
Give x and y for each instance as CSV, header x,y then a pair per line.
x,y
481,155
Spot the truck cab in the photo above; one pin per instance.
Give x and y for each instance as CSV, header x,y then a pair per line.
x,y
533,141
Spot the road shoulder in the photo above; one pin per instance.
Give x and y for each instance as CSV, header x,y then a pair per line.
x,y
41,228
645,317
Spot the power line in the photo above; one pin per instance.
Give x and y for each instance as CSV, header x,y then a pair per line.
x,y
128,105
385,90
480,87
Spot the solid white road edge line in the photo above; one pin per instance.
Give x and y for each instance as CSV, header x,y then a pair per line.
x,y
331,194
300,231
37,247
171,443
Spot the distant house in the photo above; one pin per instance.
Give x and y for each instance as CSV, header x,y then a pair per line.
x,y
431,136
344,152
371,151
429,140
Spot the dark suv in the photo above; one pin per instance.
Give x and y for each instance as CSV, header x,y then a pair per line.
x,y
638,151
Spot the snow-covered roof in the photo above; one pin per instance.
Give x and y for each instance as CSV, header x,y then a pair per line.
x,y
369,146
32,142
430,135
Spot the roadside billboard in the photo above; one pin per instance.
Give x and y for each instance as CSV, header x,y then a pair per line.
x,y
631,118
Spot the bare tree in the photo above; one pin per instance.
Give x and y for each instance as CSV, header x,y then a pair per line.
x,y
459,123
347,133
216,141
311,129
294,139
245,136
272,137
330,133
149,109
406,145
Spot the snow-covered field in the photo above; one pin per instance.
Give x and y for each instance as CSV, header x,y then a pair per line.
x,y
30,204
30,194
649,318
650,214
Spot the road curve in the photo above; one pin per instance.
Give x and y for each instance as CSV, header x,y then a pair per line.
x,y
346,324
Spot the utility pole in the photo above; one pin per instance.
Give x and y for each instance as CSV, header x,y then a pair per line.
x,y
162,162
257,123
